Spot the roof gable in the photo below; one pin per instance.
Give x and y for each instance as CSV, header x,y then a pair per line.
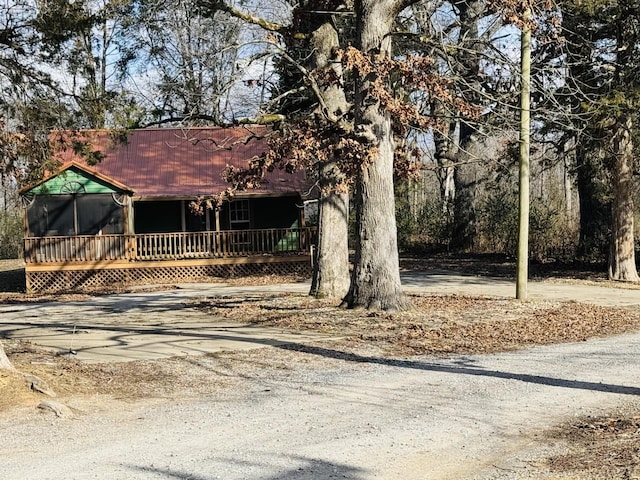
x,y
167,162
75,178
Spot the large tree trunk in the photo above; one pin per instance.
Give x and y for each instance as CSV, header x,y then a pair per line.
x,y
331,266
622,260
471,44
459,196
375,281
591,175
463,232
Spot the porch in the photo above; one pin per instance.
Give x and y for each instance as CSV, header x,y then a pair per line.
x,y
59,263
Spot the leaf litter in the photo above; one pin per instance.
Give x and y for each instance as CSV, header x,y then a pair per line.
x,y
448,324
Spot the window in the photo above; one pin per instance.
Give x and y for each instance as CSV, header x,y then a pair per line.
x,y
239,215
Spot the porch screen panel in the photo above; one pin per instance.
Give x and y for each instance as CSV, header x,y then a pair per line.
x,y
193,221
99,213
51,215
157,216
279,212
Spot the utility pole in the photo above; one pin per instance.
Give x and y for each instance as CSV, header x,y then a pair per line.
x,y
522,267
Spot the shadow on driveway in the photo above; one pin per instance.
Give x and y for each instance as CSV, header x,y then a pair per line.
x,y
464,370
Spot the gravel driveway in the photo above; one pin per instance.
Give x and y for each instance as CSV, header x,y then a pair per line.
x,y
330,416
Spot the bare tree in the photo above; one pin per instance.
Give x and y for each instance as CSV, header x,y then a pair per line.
x,y
187,63
375,281
90,46
622,260
363,137
331,267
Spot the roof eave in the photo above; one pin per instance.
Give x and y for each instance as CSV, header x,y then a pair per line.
x,y
84,168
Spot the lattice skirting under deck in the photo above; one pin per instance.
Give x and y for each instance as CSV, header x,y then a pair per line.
x,y
79,280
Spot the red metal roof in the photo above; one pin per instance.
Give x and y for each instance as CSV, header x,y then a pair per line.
x,y
168,162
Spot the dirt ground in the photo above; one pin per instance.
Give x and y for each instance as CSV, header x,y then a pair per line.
x,y
602,447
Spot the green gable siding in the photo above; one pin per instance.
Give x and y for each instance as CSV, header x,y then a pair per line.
x,y
70,181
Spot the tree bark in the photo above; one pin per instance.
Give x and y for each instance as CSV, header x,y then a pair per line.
x,y
595,212
592,180
331,263
375,281
471,45
622,261
331,266
467,66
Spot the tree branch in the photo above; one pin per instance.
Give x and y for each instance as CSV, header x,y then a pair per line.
x,y
211,6
266,119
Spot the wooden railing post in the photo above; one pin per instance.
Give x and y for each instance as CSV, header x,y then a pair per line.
x,y
131,247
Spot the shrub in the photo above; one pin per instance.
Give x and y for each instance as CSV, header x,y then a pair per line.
x,y
553,234
427,230
11,234
497,224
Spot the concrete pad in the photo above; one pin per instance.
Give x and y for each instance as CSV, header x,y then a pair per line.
x,y
448,283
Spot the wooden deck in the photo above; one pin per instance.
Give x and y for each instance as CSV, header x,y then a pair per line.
x,y
87,261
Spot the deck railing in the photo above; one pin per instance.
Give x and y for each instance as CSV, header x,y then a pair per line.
x,y
169,246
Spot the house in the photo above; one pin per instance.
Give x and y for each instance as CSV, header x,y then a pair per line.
x,y
129,218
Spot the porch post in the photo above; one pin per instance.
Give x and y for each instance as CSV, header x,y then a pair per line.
x,y
75,214
27,233
302,220
183,216
129,230
219,243
128,216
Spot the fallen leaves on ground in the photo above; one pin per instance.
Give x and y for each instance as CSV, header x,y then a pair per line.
x,y
163,378
436,325
599,447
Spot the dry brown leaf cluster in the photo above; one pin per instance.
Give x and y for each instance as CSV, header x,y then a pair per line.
x,y
599,447
437,325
